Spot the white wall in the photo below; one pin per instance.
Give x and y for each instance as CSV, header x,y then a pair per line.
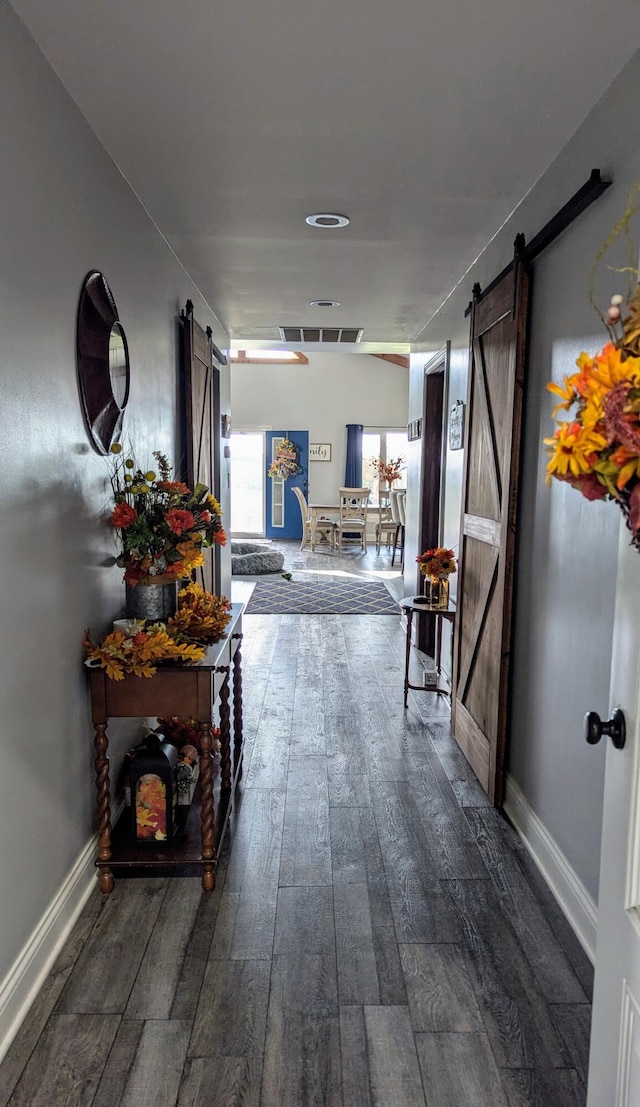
x,y
567,549
321,397
64,209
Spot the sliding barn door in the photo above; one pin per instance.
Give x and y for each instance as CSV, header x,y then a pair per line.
x,y
488,526
201,424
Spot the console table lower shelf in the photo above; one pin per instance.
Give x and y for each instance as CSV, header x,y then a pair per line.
x,y
184,690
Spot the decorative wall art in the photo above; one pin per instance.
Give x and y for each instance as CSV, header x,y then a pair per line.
x,y
320,451
102,358
456,426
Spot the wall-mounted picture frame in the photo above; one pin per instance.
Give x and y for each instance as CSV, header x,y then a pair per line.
x,y
319,451
414,430
456,425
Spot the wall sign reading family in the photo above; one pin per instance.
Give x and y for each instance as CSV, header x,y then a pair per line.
x,y
319,451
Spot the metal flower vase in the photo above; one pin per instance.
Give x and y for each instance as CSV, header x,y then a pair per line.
x,y
155,600
436,592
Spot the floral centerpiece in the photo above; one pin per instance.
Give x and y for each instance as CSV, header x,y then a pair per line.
x,y
436,566
387,472
285,463
162,525
597,448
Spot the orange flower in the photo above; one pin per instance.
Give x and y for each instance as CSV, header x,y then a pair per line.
x,y
178,520
220,537
123,516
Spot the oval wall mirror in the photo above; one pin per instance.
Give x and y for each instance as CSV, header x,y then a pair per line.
x,y
103,362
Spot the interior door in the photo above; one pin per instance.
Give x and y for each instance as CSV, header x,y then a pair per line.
x,y
488,526
282,511
200,386
614,1068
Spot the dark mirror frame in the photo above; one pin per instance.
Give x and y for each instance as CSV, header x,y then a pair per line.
x,y
97,314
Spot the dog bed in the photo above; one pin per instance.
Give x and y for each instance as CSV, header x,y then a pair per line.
x,y
250,559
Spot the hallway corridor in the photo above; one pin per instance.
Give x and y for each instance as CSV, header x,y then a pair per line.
x,y
378,936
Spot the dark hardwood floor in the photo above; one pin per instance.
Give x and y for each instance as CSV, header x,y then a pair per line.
x,y
378,936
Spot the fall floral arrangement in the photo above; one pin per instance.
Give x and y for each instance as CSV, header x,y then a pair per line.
x,y
437,564
162,525
285,463
200,615
387,472
121,655
597,449
182,639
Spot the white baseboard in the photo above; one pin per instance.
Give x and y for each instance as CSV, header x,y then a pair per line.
x,y
572,896
26,976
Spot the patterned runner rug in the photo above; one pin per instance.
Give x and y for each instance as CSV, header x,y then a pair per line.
x,y
341,598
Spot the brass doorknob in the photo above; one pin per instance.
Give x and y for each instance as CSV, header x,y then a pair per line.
x,y
615,727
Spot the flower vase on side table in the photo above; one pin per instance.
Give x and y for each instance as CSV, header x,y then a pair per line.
x,y
436,591
154,599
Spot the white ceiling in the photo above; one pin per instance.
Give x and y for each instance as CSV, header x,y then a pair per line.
x,y
425,121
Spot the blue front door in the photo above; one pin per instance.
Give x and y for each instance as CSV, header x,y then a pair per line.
x,y
283,519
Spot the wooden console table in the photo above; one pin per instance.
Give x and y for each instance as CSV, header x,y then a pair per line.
x,y
448,613
185,690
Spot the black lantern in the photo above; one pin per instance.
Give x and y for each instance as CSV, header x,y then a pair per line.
x,y
153,791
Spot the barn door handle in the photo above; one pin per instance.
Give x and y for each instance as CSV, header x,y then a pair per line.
x,y
615,727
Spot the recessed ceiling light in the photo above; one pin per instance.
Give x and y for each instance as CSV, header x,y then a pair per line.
x,y
324,303
327,219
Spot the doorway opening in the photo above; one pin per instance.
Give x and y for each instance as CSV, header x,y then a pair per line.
x,y
247,484
436,377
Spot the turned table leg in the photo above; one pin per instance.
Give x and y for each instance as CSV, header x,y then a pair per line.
x,y
237,711
225,731
101,744
208,836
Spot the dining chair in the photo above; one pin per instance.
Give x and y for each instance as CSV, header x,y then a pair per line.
x,y
310,532
402,513
398,541
352,519
306,521
386,525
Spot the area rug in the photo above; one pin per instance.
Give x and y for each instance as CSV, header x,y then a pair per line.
x,y
340,598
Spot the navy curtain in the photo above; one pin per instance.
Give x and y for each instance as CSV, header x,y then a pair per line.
x,y
353,469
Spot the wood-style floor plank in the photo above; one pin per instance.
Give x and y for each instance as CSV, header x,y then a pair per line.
x,y
221,1082
304,922
105,972
232,1012
440,988
25,1041
121,1058
393,1061
573,1021
460,1069
155,985
355,1063
65,1067
515,1012
499,845
357,970
543,1088
156,1072
306,853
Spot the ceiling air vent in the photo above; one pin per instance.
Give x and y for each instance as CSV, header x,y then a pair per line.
x,y
297,335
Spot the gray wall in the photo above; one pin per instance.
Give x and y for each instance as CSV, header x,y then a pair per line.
x,y
64,209
567,550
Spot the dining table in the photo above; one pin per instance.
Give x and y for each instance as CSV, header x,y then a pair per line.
x,y
331,512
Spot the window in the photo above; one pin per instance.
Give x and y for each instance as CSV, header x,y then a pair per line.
x,y
387,444
268,357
